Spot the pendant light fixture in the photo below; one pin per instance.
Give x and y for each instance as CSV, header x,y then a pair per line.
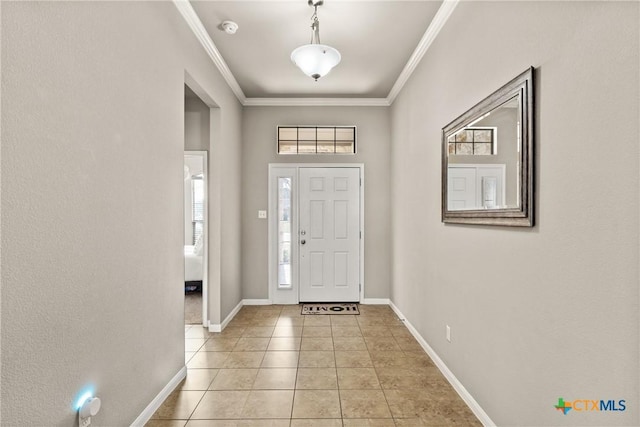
x,y
315,59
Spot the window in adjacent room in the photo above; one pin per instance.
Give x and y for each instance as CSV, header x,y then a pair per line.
x,y
197,206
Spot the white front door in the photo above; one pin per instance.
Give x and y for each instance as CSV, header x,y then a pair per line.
x,y
329,234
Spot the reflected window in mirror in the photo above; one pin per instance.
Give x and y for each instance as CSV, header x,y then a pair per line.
x,y
476,141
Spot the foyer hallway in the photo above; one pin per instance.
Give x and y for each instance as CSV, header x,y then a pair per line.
x,y
273,367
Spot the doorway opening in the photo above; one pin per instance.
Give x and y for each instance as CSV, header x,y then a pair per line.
x,y
195,237
197,142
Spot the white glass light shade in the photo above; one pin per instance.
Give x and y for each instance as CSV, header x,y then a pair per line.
x,y
315,60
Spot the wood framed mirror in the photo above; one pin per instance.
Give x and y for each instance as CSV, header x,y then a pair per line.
x,y
487,159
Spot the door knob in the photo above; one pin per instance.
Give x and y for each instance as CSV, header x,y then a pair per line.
x,y
302,242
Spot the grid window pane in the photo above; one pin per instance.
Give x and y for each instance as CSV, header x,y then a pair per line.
x,y
288,147
326,134
464,148
306,147
345,134
288,134
307,134
326,147
473,141
482,135
344,147
316,140
464,136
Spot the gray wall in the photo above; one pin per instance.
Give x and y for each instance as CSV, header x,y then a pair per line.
x,y
259,149
92,173
548,312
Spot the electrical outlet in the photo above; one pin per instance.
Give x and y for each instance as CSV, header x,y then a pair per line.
x,y
448,333
262,214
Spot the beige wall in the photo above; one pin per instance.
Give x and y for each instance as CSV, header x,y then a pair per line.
x,y
259,149
197,123
225,177
92,172
548,312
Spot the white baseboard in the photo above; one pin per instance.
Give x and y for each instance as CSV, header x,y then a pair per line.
x,y
257,302
148,412
219,327
375,301
455,383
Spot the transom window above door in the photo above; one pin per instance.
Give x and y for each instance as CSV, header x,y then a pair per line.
x,y
316,139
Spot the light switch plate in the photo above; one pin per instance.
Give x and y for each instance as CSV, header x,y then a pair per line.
x,y
262,214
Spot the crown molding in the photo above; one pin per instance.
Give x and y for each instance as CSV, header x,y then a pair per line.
x,y
316,102
189,15
440,18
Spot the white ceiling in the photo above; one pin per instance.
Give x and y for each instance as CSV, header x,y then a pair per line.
x,y
376,39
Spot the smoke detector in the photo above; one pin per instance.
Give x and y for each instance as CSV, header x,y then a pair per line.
x,y
229,27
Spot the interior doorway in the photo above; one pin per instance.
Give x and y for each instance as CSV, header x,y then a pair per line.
x,y
197,144
195,237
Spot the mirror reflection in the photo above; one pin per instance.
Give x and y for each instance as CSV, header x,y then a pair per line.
x,y
487,159
483,160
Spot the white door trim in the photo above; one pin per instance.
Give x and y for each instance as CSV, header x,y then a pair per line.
x,y
294,169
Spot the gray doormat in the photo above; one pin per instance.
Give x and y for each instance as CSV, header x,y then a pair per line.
x,y
330,308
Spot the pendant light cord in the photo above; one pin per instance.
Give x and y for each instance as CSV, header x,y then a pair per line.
x,y
315,27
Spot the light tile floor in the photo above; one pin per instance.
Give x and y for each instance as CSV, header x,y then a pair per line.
x,y
273,367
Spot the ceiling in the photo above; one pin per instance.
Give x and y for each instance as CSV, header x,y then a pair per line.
x,y
381,42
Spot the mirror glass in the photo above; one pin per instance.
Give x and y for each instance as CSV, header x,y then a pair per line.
x,y
487,159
